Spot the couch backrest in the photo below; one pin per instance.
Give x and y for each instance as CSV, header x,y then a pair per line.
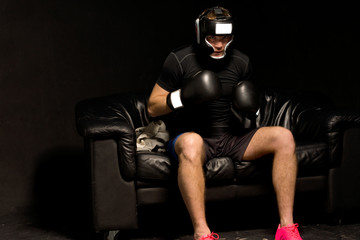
x,y
295,111
278,108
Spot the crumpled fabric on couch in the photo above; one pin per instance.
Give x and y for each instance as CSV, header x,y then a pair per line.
x,y
152,138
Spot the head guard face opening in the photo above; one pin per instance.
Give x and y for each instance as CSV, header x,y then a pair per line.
x,y
221,25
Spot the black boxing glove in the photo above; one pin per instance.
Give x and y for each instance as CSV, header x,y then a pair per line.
x,y
246,99
204,86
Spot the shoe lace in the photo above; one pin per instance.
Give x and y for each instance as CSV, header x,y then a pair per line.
x,y
293,230
211,236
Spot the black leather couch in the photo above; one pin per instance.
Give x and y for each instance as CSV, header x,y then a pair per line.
x,y
122,179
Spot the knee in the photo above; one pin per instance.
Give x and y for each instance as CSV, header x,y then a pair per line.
x,y
190,145
284,139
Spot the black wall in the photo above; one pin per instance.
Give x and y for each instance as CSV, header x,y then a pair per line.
x,y
55,53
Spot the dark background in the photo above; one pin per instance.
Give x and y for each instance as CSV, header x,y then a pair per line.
x,y
54,53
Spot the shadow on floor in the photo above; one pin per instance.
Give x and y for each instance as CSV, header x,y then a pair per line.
x,y
61,199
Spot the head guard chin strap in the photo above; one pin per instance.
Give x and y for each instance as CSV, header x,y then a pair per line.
x,y
221,25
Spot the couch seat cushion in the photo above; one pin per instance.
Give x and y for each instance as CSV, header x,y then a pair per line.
x,y
158,167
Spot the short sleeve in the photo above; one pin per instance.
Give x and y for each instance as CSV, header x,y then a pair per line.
x,y
171,74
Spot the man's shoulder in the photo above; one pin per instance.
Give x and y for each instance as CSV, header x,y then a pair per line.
x,y
240,56
188,48
184,51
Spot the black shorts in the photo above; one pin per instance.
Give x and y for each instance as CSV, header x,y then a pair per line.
x,y
227,145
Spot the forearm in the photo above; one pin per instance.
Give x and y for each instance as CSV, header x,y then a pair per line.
x,y
157,106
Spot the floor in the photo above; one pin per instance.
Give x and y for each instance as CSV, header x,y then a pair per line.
x,y
14,229
230,225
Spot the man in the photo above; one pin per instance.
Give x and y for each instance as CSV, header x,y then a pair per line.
x,y
209,79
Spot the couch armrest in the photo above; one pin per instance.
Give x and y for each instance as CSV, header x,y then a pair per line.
x,y
114,117
344,192
120,131
103,127
328,126
338,123
113,197
107,116
340,120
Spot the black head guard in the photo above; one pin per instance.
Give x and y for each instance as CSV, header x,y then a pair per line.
x,y
221,25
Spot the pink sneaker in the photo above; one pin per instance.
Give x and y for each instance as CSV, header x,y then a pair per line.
x,y
212,236
289,232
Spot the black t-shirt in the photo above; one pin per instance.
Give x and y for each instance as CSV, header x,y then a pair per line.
x,y
214,117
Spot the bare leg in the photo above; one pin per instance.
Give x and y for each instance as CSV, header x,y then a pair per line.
x,y
190,150
279,142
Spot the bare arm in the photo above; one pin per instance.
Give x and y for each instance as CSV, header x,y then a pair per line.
x,y
157,102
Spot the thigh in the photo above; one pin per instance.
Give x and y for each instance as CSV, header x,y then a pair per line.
x,y
262,143
234,146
